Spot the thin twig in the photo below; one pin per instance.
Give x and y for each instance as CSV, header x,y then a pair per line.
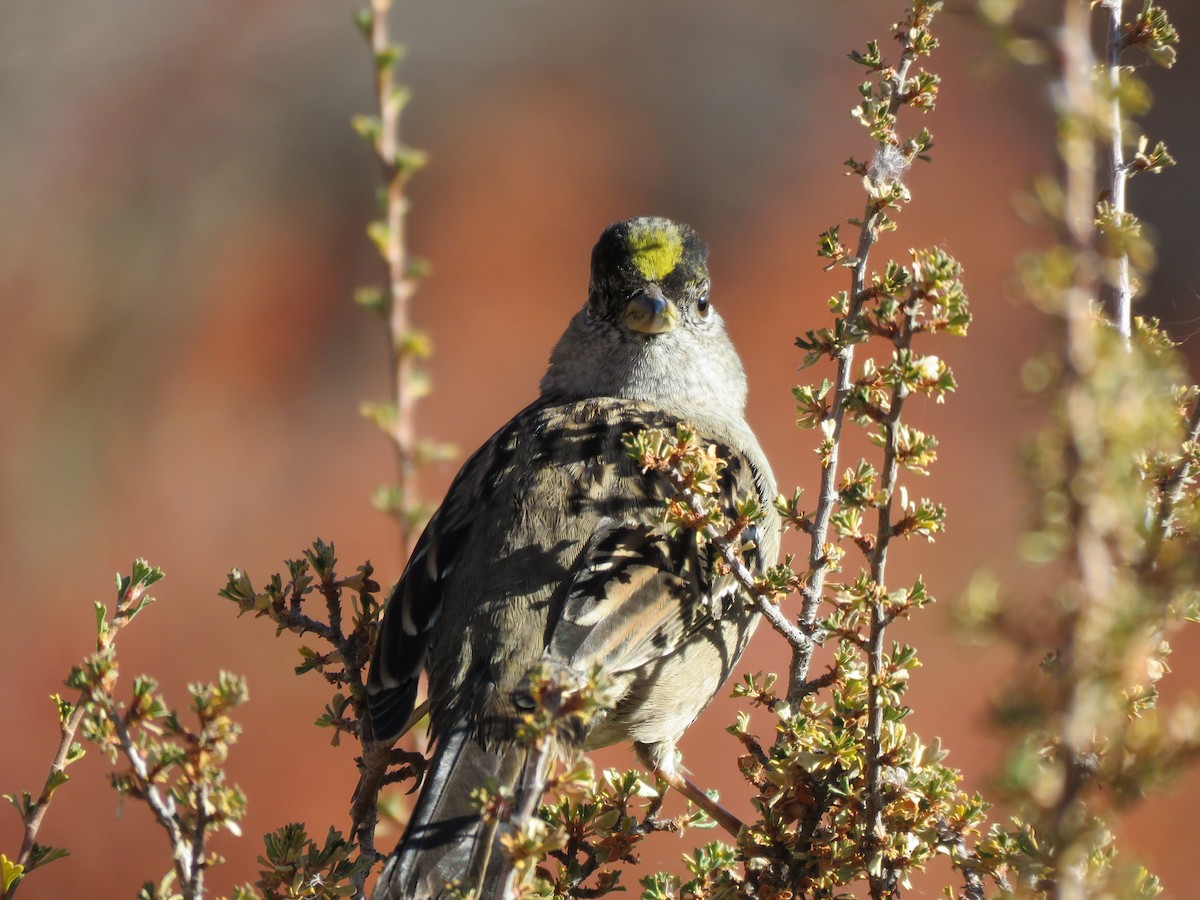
x,y
533,783
364,809
882,885
973,885
1170,493
163,808
402,428
33,821
396,163
728,550
196,887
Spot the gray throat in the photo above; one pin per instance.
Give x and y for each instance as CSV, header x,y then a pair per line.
x,y
691,372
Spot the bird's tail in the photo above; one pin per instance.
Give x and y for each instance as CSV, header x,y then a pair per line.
x,y
449,843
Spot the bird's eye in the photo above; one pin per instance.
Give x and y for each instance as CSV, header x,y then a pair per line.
x,y
702,304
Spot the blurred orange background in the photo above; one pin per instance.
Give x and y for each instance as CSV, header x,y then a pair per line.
x,y
181,231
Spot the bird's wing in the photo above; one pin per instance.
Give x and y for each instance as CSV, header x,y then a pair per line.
x,y
631,600
418,599
638,590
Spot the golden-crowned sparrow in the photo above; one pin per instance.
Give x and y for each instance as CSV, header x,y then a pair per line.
x,y
549,547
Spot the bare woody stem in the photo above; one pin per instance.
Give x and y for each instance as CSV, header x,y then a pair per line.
x,y
1118,171
374,772
827,494
364,810
376,761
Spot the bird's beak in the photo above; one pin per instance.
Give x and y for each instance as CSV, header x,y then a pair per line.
x,y
650,312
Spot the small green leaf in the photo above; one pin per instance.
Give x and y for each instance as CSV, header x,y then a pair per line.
x,y
410,160
399,96
371,298
871,58
63,708
380,235
381,412
415,343
23,804
417,268
41,855
387,58
364,21
55,781
145,575
368,127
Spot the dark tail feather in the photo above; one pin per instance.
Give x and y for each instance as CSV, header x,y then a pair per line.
x,y
446,840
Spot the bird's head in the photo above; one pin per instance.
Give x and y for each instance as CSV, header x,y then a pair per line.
x,y
648,276
648,332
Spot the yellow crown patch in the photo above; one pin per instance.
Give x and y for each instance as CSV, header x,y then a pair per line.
x,y
655,249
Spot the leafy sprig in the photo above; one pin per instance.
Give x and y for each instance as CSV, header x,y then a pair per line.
x,y
176,770
342,614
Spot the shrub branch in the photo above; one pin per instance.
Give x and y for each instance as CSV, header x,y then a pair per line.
x,y
874,218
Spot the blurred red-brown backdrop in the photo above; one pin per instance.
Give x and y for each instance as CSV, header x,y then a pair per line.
x,y
180,235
